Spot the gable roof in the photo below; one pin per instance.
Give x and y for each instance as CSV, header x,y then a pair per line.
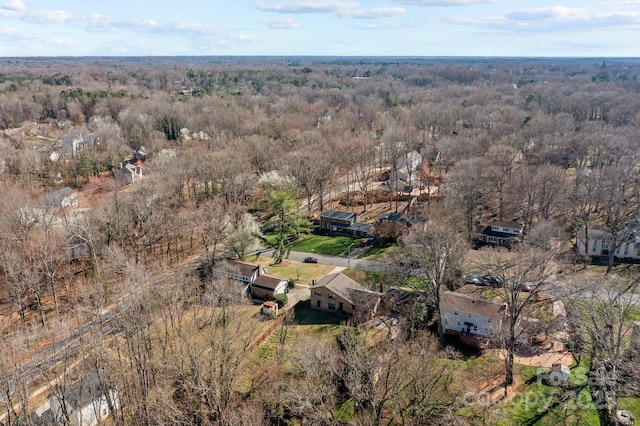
x,y
241,267
341,285
394,217
337,214
486,230
360,227
472,304
507,224
267,282
83,391
56,197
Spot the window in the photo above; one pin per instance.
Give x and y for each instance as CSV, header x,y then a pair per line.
x,y
458,323
490,320
603,246
468,315
626,249
331,296
332,306
455,312
487,330
475,328
446,320
317,293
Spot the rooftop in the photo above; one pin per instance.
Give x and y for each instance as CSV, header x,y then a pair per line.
x,y
341,285
472,304
337,214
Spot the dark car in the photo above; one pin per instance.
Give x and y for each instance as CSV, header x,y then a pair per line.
x,y
472,279
310,260
491,281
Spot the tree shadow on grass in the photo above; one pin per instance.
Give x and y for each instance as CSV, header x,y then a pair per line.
x,y
305,315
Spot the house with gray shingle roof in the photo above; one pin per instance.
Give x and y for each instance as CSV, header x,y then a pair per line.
x,y
471,314
340,294
500,233
341,222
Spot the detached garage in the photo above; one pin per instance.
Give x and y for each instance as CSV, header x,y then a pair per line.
x,y
267,286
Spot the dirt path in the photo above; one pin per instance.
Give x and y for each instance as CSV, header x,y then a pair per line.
x,y
545,360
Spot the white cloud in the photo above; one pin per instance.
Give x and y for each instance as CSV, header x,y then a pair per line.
x,y
15,5
430,3
281,23
307,6
620,3
557,12
557,19
47,16
343,9
375,13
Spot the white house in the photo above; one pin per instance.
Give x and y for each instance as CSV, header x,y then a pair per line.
x,y
85,403
129,173
65,197
600,243
238,270
266,286
258,283
471,314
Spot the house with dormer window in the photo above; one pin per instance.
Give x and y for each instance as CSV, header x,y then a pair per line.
x,y
500,233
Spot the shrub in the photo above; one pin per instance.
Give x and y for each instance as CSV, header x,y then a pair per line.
x,y
281,300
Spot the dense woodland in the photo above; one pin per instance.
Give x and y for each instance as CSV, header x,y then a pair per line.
x,y
238,147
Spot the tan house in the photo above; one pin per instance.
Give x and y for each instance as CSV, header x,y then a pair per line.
x,y
339,293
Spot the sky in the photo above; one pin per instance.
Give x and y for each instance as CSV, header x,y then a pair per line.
x,y
541,28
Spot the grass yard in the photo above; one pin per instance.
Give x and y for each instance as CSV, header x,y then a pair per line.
x,y
631,404
539,404
369,279
322,244
301,272
379,253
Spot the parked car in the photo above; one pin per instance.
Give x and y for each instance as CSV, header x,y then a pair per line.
x,y
310,260
529,287
472,279
491,281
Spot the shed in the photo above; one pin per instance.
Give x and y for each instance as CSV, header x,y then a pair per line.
x,y
559,375
269,306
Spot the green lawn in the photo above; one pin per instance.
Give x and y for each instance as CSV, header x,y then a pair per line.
x,y
631,404
539,404
378,253
302,273
321,244
305,315
368,279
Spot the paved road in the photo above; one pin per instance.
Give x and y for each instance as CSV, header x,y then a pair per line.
x,y
345,262
564,291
